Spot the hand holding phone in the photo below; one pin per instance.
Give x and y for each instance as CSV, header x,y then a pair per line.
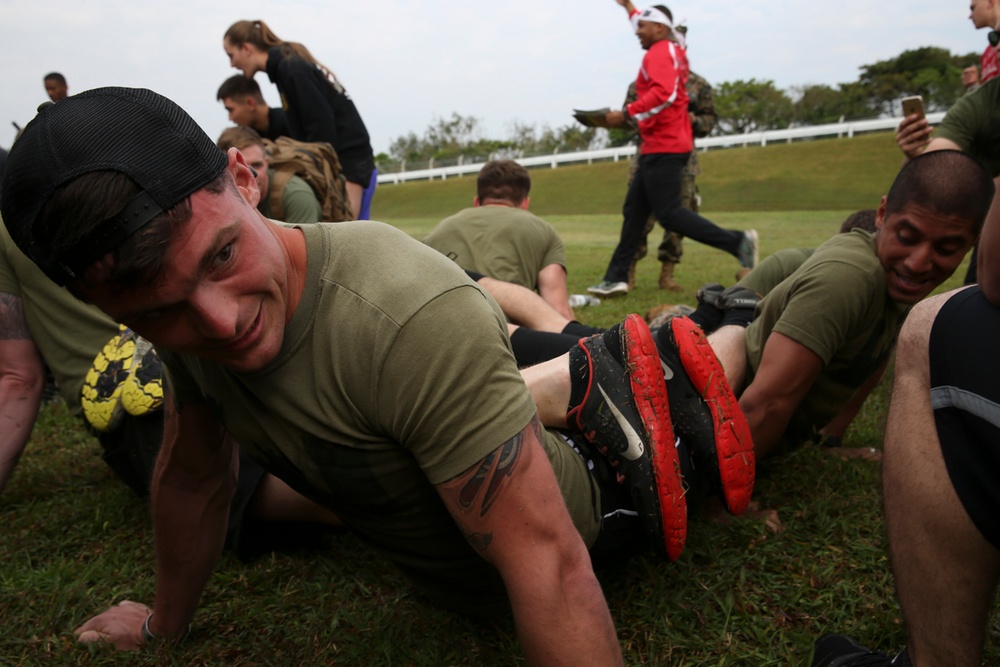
x,y
913,105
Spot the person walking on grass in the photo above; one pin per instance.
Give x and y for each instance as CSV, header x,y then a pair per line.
x,y
661,109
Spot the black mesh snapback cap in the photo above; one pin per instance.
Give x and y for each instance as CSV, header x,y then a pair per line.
x,y
134,131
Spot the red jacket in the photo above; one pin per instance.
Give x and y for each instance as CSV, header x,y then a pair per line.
x,y
989,64
662,100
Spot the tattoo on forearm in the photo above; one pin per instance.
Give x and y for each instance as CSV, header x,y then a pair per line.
x,y
12,323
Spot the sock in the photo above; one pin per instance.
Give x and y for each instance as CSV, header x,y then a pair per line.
x,y
532,347
579,330
708,318
738,316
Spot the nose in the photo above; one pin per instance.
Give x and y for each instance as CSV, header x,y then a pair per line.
x,y
920,259
214,315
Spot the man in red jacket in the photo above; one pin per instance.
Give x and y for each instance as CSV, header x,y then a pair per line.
x,y
661,109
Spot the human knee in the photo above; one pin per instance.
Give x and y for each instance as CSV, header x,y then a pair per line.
x,y
911,346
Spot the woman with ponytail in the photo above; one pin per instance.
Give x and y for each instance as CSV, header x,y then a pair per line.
x,y
317,106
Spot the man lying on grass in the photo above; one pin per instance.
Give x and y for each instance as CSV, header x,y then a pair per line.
x,y
378,384
822,332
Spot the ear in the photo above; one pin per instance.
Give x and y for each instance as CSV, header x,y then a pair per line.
x,y
880,214
475,201
250,102
246,184
524,203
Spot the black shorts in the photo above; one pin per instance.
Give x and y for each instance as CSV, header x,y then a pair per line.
x,y
964,351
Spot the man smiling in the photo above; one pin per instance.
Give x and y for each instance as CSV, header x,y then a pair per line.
x,y
822,331
378,384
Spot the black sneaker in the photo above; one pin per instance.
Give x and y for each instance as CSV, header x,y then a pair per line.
x,y
833,650
708,315
623,409
738,305
737,297
709,294
706,416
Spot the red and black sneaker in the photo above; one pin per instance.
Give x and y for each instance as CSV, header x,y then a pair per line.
x,y
621,407
706,416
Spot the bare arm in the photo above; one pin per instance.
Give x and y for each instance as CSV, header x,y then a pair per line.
x,y
524,306
627,4
510,508
192,487
988,269
552,288
22,379
787,372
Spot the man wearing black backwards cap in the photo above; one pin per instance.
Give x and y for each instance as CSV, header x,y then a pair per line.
x,y
354,390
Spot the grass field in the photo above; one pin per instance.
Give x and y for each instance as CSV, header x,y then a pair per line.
x,y
74,541
821,175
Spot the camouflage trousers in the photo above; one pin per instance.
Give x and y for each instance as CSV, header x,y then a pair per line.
x,y
670,249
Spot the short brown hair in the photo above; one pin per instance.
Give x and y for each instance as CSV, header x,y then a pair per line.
x,y
505,180
240,137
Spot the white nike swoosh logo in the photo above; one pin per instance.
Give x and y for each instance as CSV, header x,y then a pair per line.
x,y
668,372
635,448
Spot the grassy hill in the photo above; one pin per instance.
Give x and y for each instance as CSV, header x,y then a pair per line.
x,y
828,174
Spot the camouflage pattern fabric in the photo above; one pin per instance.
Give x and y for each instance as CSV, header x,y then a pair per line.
x,y
701,110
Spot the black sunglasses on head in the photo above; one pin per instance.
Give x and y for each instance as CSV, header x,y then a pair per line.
x,y
994,38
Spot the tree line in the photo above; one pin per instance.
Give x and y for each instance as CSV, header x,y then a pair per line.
x,y
742,106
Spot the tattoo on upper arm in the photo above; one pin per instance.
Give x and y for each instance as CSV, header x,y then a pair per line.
x,y
13,326
483,482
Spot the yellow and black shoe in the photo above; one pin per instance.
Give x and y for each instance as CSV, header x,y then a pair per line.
x,y
142,391
102,386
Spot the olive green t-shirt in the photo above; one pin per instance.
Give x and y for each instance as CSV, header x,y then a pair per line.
x,y
395,374
67,332
836,305
775,268
297,199
973,123
501,242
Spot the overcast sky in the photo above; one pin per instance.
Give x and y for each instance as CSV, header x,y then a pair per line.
x,y
406,63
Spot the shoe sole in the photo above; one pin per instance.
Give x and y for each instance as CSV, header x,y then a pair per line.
x,y
733,442
607,293
650,392
142,390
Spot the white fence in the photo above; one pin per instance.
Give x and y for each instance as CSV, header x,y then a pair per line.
x,y
839,130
